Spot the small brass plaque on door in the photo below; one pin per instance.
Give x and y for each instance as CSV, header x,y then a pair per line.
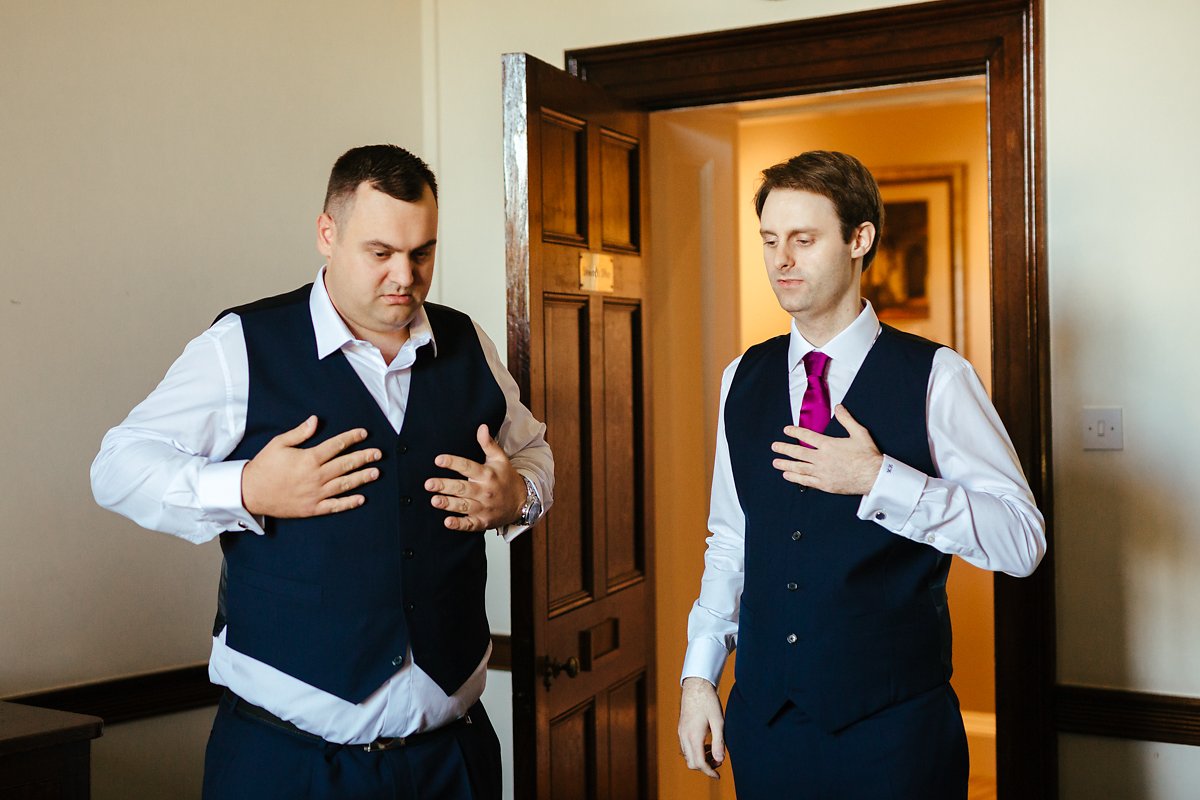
x,y
595,272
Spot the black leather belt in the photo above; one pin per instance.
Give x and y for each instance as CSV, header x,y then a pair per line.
x,y
246,709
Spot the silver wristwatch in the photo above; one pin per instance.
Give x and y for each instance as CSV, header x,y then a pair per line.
x,y
531,509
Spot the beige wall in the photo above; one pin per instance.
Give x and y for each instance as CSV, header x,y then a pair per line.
x,y
1121,169
162,160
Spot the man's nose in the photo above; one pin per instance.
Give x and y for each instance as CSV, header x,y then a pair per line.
x,y
400,269
781,258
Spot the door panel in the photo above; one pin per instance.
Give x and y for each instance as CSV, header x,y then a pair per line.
x,y
573,746
622,438
569,572
564,178
627,709
619,162
582,607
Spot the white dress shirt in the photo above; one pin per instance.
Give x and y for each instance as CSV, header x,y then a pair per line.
x,y
979,509
163,468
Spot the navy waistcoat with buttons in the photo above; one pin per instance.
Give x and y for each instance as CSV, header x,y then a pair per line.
x,y
838,615
336,600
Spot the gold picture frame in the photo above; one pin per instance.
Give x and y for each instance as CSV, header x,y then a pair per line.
x,y
916,282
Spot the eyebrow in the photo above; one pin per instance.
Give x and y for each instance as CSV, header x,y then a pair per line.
x,y
792,232
382,245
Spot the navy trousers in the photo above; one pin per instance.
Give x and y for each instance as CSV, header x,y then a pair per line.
x,y
916,750
249,759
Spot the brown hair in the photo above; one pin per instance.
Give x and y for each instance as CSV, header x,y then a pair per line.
x,y
386,167
840,177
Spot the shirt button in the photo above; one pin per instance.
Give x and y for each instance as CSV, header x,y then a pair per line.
x,y
397,661
880,515
796,536
791,638
408,553
929,537
792,586
406,500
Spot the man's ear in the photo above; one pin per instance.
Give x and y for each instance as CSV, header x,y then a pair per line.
x,y
326,233
864,237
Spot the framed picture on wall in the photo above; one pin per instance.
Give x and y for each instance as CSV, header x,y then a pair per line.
x,y
916,280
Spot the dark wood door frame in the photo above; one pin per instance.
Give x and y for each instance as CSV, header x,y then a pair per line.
x,y
1000,39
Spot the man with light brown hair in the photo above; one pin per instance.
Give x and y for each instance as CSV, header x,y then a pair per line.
x,y
852,462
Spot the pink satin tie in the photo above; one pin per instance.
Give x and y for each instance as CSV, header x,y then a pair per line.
x,y
815,411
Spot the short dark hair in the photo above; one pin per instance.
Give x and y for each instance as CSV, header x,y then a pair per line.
x,y
840,177
386,167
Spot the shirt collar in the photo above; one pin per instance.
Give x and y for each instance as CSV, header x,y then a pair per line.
x,y
332,333
848,349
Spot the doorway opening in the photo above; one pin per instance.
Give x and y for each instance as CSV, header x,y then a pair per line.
x,y
999,39
926,143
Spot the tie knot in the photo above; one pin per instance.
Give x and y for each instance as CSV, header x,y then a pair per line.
x,y
816,364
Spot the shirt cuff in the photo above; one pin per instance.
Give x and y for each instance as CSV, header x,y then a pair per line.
x,y
220,494
705,658
893,496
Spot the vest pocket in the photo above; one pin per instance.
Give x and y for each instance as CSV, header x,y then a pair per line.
x,y
300,591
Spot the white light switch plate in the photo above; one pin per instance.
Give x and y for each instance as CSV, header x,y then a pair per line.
x,y
1102,428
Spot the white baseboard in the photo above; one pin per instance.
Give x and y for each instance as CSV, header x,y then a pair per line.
x,y
981,741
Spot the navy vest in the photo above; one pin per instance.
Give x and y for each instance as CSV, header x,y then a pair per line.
x,y
866,624
336,600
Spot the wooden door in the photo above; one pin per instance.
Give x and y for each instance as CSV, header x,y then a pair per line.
x,y
582,585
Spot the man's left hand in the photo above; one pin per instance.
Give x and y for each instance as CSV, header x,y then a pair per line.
x,y
491,495
831,464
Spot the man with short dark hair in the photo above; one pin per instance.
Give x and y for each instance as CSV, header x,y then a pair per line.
x,y
852,462
349,443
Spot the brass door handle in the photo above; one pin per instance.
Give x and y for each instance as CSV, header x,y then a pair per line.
x,y
554,668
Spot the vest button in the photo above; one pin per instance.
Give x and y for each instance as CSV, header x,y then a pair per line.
x,y
796,536
401,449
408,553
406,500
410,606
792,638
792,586
397,661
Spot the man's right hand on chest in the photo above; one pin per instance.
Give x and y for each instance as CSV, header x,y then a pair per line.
x,y
286,480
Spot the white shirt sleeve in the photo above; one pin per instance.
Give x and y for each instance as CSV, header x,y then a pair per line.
x,y
980,508
163,467
713,620
521,436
